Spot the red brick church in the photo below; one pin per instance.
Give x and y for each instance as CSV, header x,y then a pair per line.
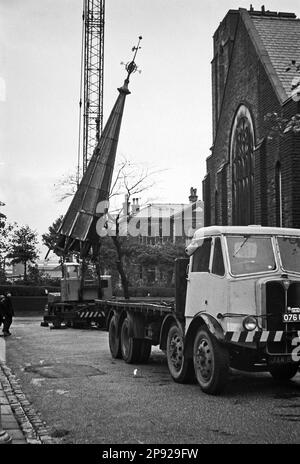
x,y
252,177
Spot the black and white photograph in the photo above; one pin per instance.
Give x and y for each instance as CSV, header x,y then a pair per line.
x,y
149,226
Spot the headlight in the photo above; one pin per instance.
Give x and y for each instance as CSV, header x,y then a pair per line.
x,y
250,323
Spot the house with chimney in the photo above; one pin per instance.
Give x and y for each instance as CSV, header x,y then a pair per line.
x,y
158,223
155,225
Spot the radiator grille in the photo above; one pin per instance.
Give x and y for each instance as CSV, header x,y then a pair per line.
x,y
277,301
276,305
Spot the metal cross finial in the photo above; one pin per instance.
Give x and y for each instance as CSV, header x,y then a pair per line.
x,y
131,66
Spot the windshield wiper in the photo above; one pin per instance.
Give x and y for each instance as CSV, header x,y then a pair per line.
x,y
240,247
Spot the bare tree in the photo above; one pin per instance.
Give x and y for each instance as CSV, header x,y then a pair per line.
x,y
129,180
66,186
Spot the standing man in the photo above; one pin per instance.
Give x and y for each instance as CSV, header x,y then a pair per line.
x,y
8,314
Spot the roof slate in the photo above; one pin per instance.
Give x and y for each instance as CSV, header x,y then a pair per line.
x,y
281,39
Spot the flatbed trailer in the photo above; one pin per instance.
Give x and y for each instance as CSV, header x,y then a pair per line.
x,y
134,326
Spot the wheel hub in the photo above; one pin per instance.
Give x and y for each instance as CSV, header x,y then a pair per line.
x,y
176,351
204,360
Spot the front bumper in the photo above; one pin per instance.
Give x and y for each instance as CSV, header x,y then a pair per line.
x,y
260,336
271,342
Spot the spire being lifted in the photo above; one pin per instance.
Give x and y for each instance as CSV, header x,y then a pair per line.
x,y
78,230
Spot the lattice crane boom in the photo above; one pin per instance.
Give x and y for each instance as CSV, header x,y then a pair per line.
x,y
92,76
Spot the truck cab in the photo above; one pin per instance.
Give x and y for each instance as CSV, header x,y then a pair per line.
x,y
242,306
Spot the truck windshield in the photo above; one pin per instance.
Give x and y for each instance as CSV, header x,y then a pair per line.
x,y
249,254
289,248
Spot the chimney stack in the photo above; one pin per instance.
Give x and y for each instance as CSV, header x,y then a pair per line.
x,y
135,206
193,195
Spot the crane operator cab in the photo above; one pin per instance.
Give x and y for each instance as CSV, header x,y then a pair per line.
x,y
72,285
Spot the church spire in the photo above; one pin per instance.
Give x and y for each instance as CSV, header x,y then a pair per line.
x,y
78,229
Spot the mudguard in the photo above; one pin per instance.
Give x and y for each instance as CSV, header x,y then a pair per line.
x,y
165,327
202,319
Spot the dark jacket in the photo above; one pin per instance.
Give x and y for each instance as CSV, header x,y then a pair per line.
x,y
2,307
7,307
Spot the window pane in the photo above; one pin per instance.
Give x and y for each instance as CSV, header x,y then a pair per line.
x,y
249,254
218,262
290,253
201,257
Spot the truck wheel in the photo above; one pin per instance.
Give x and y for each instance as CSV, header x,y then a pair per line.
x,y
211,362
145,351
114,339
130,347
181,370
283,372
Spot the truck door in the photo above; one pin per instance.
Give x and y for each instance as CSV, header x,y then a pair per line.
x,y
206,289
198,279
218,298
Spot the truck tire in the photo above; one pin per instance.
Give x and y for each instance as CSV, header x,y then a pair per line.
x,y
211,362
130,347
145,351
283,372
114,339
181,370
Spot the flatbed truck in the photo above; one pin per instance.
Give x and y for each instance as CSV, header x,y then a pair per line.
x,y
237,305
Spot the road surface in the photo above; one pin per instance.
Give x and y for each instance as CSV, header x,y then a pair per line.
x,y
86,396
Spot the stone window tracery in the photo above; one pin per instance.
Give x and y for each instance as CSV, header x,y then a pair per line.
x,y
242,167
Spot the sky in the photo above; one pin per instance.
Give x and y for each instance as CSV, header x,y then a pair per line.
x,y
166,125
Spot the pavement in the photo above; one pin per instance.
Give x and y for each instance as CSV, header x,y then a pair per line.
x,y
9,421
17,416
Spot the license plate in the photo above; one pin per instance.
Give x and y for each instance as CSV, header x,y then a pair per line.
x,y
277,359
291,317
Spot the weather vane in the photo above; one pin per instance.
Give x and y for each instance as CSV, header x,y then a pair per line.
x,y
131,66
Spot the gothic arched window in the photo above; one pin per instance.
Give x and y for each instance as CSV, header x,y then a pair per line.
x,y
242,166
